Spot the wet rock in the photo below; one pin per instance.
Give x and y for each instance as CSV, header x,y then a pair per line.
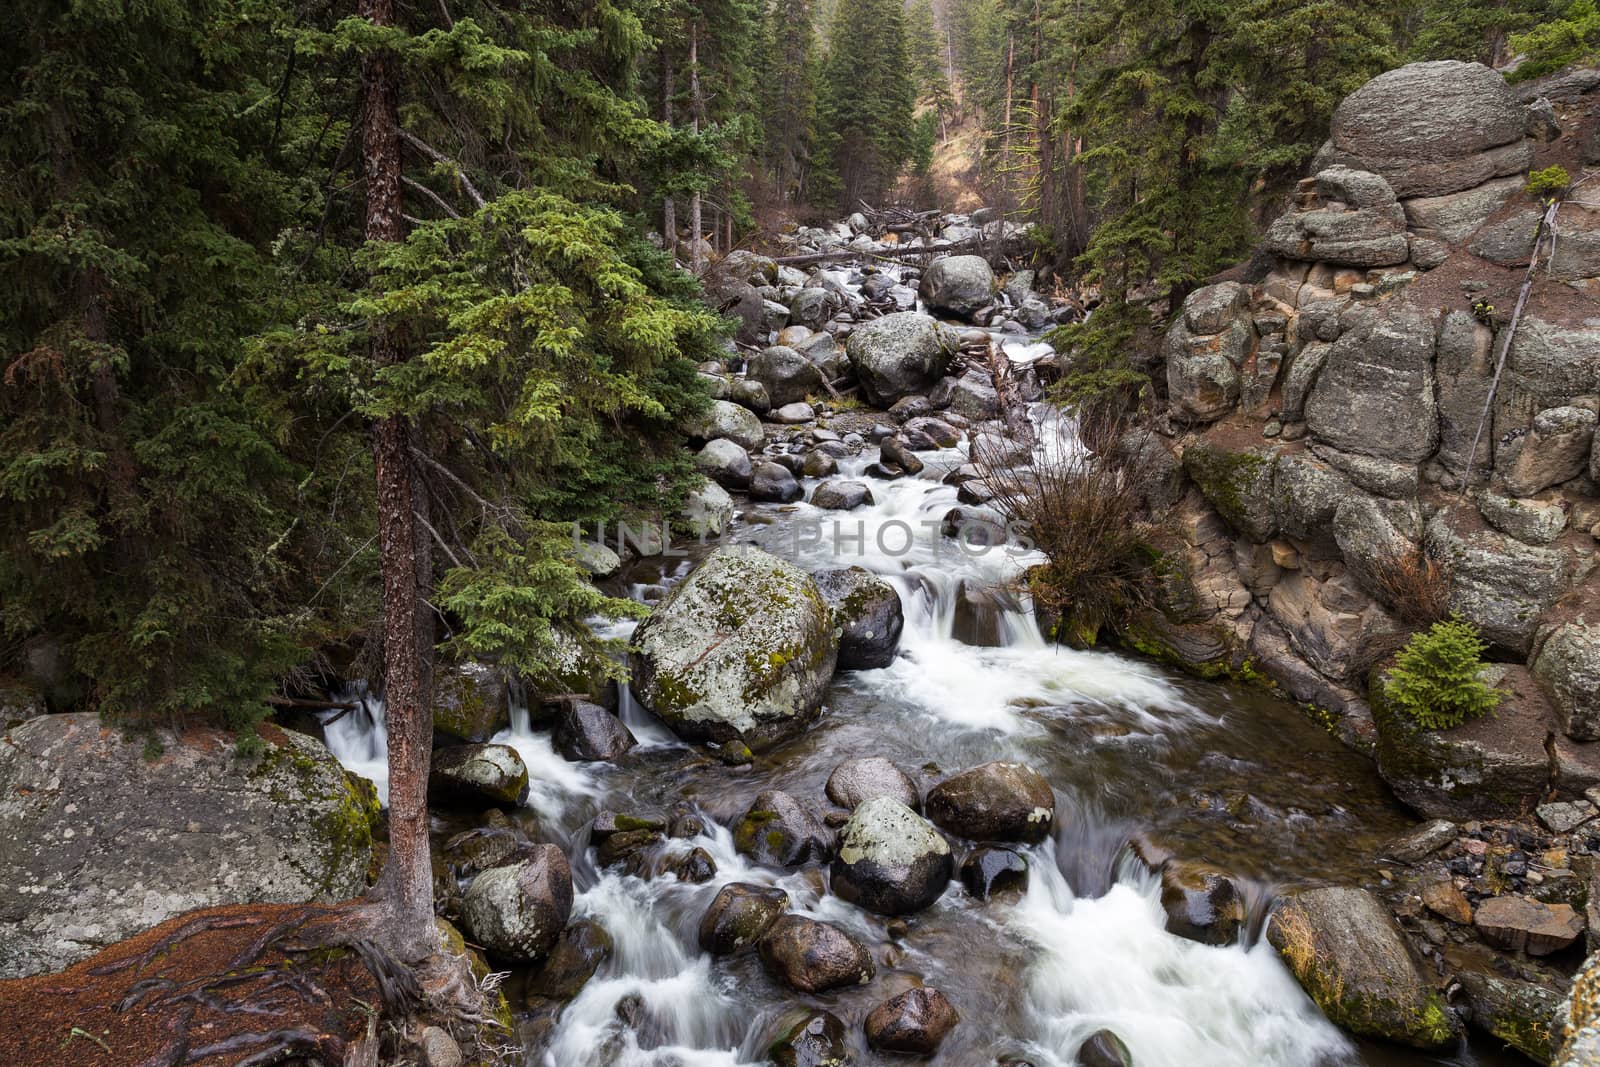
x,y
1422,842
697,868
1518,1013
915,1022
101,843
471,702
1348,954
1433,128
997,801
1104,1049
580,950
739,915
1568,668
773,482
894,451
856,781
625,845
587,731
810,1038
841,495
724,463
898,355
925,434
810,956
787,375
958,285
608,824
725,420
477,776
819,464
743,648
1202,904
868,614
890,859
517,912
1522,924
974,526
988,870
781,831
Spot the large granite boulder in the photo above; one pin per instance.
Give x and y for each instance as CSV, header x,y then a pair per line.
x,y
517,912
1351,958
787,376
890,860
1375,394
478,776
726,420
471,702
99,842
898,355
1433,128
959,285
742,648
1497,582
868,614
1568,667
1454,217
999,801
1354,221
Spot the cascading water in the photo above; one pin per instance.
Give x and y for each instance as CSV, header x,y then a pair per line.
x,y
1236,779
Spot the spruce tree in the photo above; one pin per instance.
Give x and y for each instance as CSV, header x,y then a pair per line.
x,y
789,94
866,101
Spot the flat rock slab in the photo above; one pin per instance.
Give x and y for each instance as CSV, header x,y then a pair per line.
x,y
1522,924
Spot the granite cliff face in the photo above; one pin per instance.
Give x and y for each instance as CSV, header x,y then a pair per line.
x,y
1335,422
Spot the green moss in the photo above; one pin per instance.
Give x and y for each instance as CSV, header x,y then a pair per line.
x,y
1232,481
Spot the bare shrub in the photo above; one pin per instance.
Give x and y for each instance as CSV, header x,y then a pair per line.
x,y
1414,586
1082,510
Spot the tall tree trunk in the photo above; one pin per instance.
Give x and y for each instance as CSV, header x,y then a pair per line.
x,y
1005,150
406,887
669,209
697,260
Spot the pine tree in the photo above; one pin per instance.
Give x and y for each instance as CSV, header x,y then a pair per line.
x,y
925,45
789,94
866,101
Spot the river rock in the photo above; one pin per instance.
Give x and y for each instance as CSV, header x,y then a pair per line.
x,y
724,463
810,1038
707,511
586,732
1433,128
787,375
471,702
867,613
894,452
988,870
841,495
997,801
101,843
725,420
812,308
819,464
856,781
739,915
890,859
959,285
478,775
1104,1049
1518,1013
794,414
780,831
1568,668
926,433
913,1023
1202,904
1522,924
774,483
743,648
898,355
578,952
810,956
1348,954
517,912
749,393
971,396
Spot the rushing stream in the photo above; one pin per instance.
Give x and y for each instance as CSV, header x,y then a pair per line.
x,y
1213,773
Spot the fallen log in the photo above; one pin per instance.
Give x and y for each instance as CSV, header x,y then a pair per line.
x,y
973,244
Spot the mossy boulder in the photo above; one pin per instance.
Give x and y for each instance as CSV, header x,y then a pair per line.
x,y
1522,1014
478,776
1238,483
742,649
1491,767
101,842
781,831
517,912
867,613
1350,957
739,915
471,702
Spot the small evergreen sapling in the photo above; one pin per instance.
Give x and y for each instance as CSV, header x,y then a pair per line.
x,y
1435,680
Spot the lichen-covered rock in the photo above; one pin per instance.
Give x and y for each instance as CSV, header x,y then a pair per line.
x,y
1490,767
725,420
707,511
898,355
1555,450
810,956
1238,483
1528,521
1356,222
867,613
890,860
1522,1014
724,463
478,775
100,843
959,285
1576,1028
1345,950
1568,667
1205,349
517,912
787,375
739,915
841,495
913,1023
812,308
997,801
1375,394
1497,583
1433,128
1307,494
856,781
781,831
743,648
1463,367
471,702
